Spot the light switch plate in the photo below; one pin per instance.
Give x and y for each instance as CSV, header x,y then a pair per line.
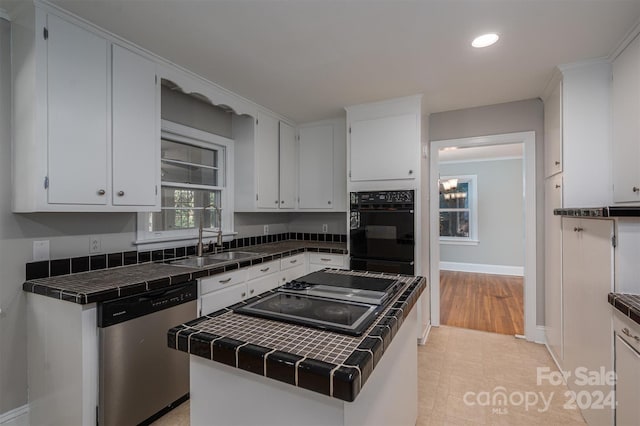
x,y
41,250
266,229
94,244
325,228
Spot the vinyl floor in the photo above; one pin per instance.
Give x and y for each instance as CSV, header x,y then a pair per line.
x,y
456,362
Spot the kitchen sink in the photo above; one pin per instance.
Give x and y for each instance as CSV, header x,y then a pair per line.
x,y
213,259
234,255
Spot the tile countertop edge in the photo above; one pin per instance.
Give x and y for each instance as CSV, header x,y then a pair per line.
x,y
342,381
599,212
182,274
627,304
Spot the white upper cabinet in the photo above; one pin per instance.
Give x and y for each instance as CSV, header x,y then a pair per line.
x,y
316,166
267,161
578,133
77,101
135,115
288,150
553,131
626,125
265,168
83,132
384,142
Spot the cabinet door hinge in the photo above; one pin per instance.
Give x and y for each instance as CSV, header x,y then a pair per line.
x,y
349,173
349,129
256,121
614,241
156,79
156,189
256,197
46,182
45,33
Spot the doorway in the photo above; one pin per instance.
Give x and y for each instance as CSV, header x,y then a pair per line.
x,y
460,225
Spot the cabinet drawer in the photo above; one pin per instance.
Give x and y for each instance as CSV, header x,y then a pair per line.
x,y
624,327
293,273
220,299
292,261
325,259
263,269
216,282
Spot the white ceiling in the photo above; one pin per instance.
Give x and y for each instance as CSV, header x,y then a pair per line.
x,y
307,59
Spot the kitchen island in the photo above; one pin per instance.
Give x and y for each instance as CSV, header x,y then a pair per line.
x,y
248,370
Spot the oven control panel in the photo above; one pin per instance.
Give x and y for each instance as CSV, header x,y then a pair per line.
x,y
382,197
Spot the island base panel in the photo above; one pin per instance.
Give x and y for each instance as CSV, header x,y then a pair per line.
x,y
221,394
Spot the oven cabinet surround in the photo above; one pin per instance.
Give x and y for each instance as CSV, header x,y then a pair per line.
x,y
377,130
219,291
86,119
322,166
62,342
587,279
626,127
389,396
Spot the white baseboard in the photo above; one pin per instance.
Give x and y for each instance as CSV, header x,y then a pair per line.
x,y
482,268
425,334
540,337
16,417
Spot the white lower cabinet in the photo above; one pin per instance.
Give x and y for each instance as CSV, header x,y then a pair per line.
x,y
553,266
220,299
262,284
587,279
627,367
318,261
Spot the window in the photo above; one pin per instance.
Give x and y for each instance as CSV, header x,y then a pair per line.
x,y
458,209
195,174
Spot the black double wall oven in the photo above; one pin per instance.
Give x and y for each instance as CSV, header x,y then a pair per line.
x,y
382,231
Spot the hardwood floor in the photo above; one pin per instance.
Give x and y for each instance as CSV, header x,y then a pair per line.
x,y
484,302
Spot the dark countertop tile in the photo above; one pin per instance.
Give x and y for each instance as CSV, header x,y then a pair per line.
x,y
107,284
330,363
628,304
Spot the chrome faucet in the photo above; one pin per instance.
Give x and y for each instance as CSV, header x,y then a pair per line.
x,y
218,244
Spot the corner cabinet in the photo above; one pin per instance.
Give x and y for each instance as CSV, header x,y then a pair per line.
x,y
86,120
265,171
322,166
626,124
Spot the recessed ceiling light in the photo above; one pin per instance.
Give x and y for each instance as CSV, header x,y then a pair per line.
x,y
485,40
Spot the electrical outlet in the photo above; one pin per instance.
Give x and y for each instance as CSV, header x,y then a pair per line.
x,y
325,228
94,244
266,230
41,250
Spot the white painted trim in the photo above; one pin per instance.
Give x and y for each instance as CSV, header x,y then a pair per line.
x,y
540,336
530,223
628,38
12,417
482,268
425,335
5,15
479,160
459,242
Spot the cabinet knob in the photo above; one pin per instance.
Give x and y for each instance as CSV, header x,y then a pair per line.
x,y
328,202
101,192
120,193
410,172
251,292
282,202
578,229
244,294
636,189
557,186
276,201
557,163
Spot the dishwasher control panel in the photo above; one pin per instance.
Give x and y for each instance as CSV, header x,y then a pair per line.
x,y
126,308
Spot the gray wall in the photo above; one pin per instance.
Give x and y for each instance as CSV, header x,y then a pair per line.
x,y
500,214
509,117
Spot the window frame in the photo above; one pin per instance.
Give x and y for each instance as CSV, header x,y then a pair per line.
x,y
188,135
472,239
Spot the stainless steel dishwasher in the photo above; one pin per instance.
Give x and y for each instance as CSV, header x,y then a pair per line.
x,y
140,376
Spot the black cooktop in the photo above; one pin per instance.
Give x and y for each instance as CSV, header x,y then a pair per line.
x,y
346,281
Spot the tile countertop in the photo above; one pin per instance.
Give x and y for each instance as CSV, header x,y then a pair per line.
x,y
329,363
628,304
108,284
